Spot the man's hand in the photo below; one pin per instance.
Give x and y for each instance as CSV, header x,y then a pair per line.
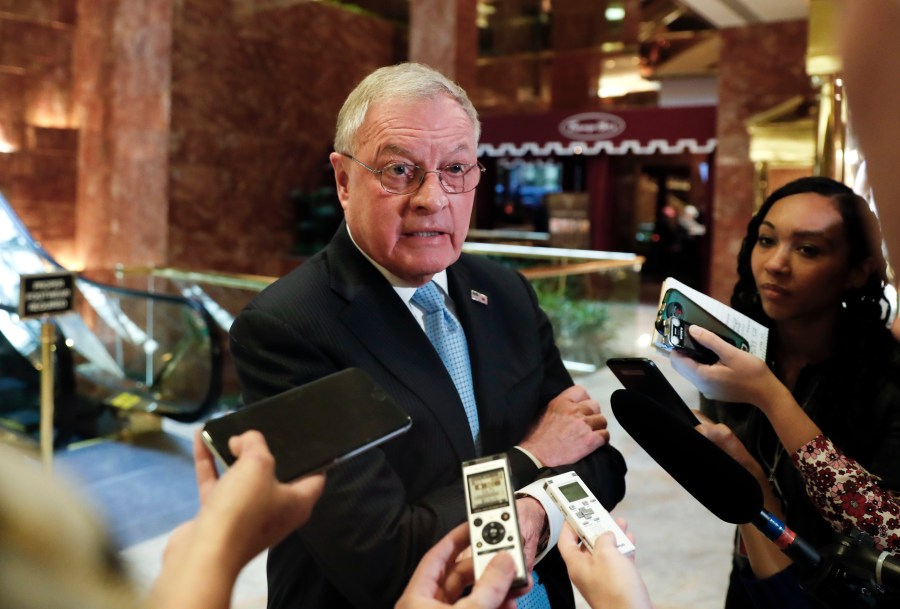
x,y
441,578
570,429
532,523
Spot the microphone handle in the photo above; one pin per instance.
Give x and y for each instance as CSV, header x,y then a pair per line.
x,y
786,540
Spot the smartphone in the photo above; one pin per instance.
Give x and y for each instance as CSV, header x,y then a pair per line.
x,y
583,512
314,426
492,516
676,305
642,375
676,337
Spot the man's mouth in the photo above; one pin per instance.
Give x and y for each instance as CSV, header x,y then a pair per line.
x,y
425,234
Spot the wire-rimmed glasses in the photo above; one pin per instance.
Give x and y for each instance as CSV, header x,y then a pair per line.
x,y
404,178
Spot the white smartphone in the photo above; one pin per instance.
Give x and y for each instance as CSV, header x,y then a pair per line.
x,y
314,426
583,512
491,509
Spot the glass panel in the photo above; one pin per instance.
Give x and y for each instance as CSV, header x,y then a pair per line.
x,y
130,349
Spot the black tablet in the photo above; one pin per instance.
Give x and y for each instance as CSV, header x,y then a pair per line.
x,y
314,426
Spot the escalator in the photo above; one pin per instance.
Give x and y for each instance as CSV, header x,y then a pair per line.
x,y
121,349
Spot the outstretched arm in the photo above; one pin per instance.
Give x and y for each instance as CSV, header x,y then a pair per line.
x,y
241,514
739,376
834,482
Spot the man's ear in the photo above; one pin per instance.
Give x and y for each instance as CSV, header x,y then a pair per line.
x,y
341,177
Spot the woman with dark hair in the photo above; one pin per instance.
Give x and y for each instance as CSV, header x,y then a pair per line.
x,y
822,416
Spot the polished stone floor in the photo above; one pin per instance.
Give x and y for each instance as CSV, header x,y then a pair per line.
x,y
144,488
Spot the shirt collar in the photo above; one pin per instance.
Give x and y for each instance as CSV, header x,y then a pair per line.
x,y
403,289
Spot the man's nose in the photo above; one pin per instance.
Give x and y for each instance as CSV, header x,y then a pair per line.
x,y
430,195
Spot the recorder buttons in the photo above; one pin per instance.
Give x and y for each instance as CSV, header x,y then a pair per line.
x,y
493,532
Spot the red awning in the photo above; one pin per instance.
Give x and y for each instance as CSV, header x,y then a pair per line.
x,y
633,131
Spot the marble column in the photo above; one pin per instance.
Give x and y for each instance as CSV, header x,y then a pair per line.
x,y
760,66
578,27
121,59
443,34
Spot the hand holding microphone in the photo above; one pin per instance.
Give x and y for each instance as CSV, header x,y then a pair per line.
x,y
736,497
741,377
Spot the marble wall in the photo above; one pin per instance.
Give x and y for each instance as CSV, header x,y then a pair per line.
x,y
38,139
156,132
759,67
255,94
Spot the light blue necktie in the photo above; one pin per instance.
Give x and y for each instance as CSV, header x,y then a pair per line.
x,y
449,340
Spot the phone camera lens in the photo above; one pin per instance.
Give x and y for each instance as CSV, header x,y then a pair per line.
x,y
674,309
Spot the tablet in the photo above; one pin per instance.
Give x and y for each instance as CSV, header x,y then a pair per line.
x,y
314,426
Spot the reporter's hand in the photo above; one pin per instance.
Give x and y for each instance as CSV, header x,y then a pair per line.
x,y
722,436
247,509
441,578
738,376
241,514
570,429
606,579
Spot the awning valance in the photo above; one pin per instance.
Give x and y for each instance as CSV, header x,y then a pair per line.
x,y
632,131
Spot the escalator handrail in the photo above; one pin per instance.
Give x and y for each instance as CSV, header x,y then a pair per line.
x,y
214,390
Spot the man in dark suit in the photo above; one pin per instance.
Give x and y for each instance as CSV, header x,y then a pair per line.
x,y
405,170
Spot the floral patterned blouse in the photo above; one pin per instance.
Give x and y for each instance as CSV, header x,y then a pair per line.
x,y
847,495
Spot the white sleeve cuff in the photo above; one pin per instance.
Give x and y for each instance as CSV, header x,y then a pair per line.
x,y
555,518
535,460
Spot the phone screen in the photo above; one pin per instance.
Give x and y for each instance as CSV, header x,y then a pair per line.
x,y
312,427
641,375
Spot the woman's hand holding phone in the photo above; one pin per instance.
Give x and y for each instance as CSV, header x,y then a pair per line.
x,y
738,376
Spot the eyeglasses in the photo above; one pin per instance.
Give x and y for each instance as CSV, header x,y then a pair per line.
x,y
403,178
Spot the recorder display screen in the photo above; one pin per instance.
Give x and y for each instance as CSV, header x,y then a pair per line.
x,y
573,491
487,490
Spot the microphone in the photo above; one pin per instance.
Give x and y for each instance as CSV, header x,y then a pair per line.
x,y
729,491
709,474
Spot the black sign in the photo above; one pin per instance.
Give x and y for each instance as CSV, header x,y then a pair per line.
x,y
46,294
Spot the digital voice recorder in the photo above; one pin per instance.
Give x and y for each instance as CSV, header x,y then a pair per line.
x,y
491,508
582,510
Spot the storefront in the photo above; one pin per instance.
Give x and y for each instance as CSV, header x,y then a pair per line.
x,y
605,180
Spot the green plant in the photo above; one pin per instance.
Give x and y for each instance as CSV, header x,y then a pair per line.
x,y
581,327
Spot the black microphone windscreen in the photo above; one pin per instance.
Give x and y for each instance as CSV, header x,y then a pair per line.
x,y
705,471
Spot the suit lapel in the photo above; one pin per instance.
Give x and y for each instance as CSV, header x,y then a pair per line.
x,y
383,324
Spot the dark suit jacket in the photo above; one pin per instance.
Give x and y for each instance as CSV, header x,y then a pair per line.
x,y
382,510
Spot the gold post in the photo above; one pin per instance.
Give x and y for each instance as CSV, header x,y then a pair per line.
x,y
47,340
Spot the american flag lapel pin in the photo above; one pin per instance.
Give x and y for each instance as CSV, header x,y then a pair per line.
x,y
479,297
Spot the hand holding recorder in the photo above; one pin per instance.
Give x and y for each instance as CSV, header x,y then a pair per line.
x,y
583,512
441,578
606,578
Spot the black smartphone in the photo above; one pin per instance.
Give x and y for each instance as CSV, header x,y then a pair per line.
x,y
314,426
641,375
676,305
